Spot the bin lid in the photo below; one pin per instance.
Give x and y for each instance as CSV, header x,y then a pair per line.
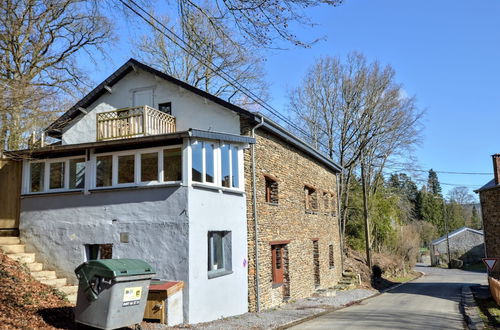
x,y
111,268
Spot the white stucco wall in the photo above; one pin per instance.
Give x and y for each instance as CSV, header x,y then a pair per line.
x,y
189,109
223,296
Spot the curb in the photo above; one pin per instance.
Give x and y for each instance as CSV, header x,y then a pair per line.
x,y
469,310
333,309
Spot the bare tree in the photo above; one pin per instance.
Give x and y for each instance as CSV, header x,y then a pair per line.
x,y
39,40
242,63
358,115
263,23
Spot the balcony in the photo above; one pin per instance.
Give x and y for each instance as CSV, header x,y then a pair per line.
x,y
133,122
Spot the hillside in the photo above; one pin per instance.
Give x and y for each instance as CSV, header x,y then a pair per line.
x,y
26,303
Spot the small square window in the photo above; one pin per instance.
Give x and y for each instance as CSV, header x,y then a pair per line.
x,y
165,107
271,191
219,253
98,251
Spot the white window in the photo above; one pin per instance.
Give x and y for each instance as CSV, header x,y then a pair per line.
x,y
149,167
37,175
230,166
77,173
56,175
219,253
104,171
172,164
203,162
126,169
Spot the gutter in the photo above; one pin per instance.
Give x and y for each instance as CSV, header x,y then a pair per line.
x,y
256,226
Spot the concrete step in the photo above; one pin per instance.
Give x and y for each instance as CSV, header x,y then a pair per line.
x,y
44,275
56,283
72,298
12,248
35,266
69,289
7,240
26,258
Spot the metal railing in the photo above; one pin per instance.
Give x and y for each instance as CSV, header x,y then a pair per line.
x,y
133,122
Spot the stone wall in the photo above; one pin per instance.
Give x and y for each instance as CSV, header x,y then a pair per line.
x,y
467,246
288,220
490,208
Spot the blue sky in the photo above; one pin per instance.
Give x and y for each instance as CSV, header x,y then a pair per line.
x,y
446,53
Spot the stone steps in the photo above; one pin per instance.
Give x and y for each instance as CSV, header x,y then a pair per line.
x,y
348,281
13,248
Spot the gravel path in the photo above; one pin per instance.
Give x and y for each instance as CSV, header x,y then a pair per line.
x,y
281,316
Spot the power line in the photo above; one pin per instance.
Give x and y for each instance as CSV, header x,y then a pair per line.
x,y
176,39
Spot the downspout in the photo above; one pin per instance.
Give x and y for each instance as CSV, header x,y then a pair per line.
x,y
340,227
256,226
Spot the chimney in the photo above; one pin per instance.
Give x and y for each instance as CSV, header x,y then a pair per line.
x,y
496,168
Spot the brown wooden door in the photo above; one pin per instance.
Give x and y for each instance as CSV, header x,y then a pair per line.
x,y
278,273
10,192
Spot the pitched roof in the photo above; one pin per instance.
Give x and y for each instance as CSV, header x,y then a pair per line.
x,y
491,184
55,129
456,232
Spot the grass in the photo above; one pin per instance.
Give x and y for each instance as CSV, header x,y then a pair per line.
x,y
489,312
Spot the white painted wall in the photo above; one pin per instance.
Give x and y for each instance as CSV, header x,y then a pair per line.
x,y
175,315
190,110
210,299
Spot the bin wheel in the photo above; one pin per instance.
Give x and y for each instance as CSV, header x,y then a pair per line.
x,y
138,327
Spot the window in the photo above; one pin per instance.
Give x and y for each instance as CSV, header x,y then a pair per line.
x,y
326,200
311,198
219,253
229,166
56,175
203,168
104,171
77,173
225,169
330,256
172,164
37,174
277,251
126,169
235,182
271,190
98,251
149,167
165,107
209,162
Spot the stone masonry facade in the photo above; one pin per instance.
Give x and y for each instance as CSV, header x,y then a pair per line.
x,y
289,223
490,208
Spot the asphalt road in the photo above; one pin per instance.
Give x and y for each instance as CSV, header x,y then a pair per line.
x,y
430,302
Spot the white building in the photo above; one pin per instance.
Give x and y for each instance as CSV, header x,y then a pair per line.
x,y
148,167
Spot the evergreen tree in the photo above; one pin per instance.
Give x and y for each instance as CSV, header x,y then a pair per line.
x,y
433,183
430,209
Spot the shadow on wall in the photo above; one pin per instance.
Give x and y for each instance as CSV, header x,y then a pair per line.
x,y
96,199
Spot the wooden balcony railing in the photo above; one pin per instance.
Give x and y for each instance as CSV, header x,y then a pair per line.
x,y
133,122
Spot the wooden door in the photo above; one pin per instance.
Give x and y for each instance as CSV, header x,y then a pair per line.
x,y
10,192
278,272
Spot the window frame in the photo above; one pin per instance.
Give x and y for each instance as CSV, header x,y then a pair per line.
x,y
226,253
269,188
46,175
137,167
311,192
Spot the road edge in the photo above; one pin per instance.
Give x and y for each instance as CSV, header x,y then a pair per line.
x,y
334,309
469,309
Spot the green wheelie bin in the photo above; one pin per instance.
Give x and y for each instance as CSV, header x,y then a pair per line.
x,y
112,293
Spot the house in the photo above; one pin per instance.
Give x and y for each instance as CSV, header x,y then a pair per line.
x,y
208,193
465,243
489,196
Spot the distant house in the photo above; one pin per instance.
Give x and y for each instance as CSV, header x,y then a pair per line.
x,y
208,193
466,244
489,196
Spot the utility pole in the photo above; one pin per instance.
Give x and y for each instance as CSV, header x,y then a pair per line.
x,y
447,233
365,215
